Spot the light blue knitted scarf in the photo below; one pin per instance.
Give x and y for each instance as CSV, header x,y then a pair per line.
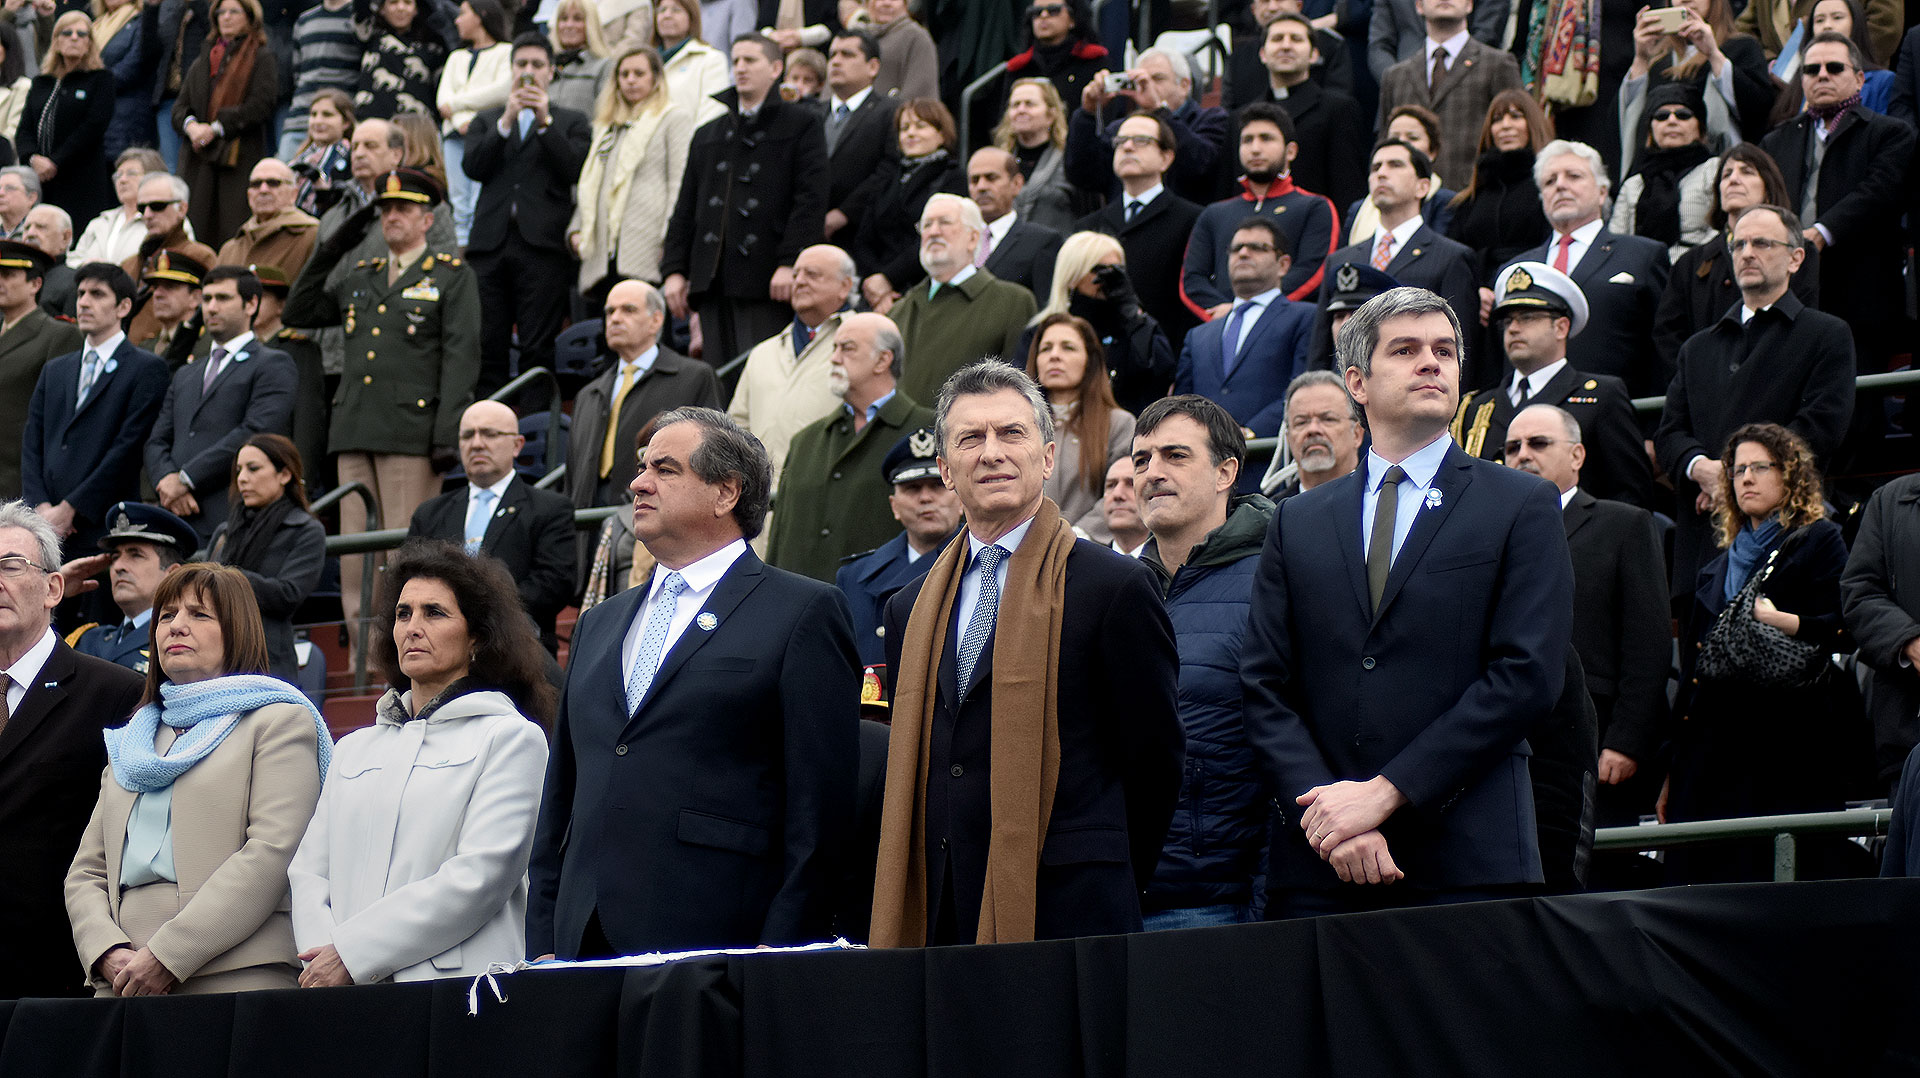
x,y
207,711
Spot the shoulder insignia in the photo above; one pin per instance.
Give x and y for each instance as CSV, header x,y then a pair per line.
x,y
427,263
453,262
856,557
1591,384
288,334
362,264
1477,436
73,638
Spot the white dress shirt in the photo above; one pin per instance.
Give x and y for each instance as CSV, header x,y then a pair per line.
x,y
969,596
1144,198
1402,235
1421,466
26,671
702,577
1259,303
1535,382
1583,238
852,103
231,347
1453,45
499,492
997,230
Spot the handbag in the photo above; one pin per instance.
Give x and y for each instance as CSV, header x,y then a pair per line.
x,y
1740,646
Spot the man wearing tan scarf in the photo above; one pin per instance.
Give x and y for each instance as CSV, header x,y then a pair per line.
x,y
1036,753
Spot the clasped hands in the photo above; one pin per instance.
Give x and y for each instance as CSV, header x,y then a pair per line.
x,y
1342,823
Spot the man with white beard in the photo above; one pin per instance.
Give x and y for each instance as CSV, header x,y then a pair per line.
x,y
1323,430
961,312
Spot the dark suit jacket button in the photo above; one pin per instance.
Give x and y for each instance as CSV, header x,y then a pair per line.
x,y
943,843
826,531
619,750
1366,663
956,771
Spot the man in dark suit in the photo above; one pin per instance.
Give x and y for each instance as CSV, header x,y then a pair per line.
x,y
1398,27
755,196
859,129
1399,179
700,789
239,389
1245,360
1622,277
1060,694
1768,360
928,513
1325,122
29,340
1388,694
1848,173
1150,221
53,706
91,413
503,516
1450,72
526,158
1904,102
144,543
1536,312
1621,625
1018,252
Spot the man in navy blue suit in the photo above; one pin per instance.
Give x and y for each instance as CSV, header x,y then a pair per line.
x,y
1244,359
701,783
90,413
1410,622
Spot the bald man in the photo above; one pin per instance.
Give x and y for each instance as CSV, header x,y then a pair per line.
x,y
277,234
503,516
1018,251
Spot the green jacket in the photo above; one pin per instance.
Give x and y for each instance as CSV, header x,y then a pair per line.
x,y
833,499
983,316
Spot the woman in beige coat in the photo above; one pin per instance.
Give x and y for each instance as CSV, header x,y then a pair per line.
x,y
631,177
180,882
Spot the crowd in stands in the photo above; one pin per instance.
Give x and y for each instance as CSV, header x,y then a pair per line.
x,y
893,329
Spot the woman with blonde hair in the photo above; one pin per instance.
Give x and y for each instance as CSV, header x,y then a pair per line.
x,y
1034,131
695,70
1090,282
632,175
1091,430
579,56
63,127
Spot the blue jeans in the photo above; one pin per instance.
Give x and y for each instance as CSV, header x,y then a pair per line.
x,y
1231,913
169,138
462,192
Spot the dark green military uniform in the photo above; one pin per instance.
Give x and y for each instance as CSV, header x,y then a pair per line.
x,y
833,497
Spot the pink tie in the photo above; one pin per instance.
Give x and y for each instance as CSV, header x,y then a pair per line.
x,y
1383,251
1560,259
986,248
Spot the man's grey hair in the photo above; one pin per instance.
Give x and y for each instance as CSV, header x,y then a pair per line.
x,y
28,178
656,304
727,451
1561,147
1322,378
887,339
18,514
1571,424
985,377
1175,59
179,186
61,218
842,261
1361,334
969,210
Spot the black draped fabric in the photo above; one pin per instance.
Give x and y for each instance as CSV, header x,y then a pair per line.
x,y
1779,979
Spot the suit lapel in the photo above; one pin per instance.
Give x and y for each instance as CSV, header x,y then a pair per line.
x,y
745,574
1452,480
1147,212
1579,512
1346,531
67,392
1458,72
1558,388
512,503
1594,262
46,693
1409,252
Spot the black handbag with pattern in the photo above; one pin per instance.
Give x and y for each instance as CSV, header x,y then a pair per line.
x,y
1741,646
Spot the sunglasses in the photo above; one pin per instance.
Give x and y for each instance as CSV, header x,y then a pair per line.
x,y
267,181
157,207
1539,443
1836,68
1672,114
1038,10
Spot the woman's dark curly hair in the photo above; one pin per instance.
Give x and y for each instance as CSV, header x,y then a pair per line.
x,y
506,648
1798,470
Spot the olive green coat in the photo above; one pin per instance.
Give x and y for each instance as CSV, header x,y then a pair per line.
x,y
833,499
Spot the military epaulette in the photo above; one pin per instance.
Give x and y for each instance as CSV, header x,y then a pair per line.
x,y
857,557
73,638
287,334
362,264
454,262
426,263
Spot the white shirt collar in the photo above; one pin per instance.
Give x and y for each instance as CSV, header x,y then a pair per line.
x,y
1260,300
498,490
1135,552
1583,236
1403,233
702,574
1566,496
1453,45
965,272
642,362
26,671
236,344
1144,198
1538,380
1747,313
1009,542
1000,226
1420,466
105,350
853,103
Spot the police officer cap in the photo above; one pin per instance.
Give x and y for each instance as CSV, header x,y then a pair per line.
x,y
1355,284
139,522
25,256
912,457
1538,286
174,266
409,185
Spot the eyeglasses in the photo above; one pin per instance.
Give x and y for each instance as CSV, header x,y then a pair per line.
x,y
1672,114
16,566
1123,141
486,435
75,31
267,181
1251,248
1038,10
157,207
1759,246
1759,468
1836,68
1539,443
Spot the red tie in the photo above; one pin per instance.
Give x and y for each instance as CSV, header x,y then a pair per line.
x,y
1560,258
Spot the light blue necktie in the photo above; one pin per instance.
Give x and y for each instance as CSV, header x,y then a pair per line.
x,y
980,626
525,122
479,511
89,374
1230,341
647,662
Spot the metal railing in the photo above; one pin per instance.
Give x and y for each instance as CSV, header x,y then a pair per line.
x,y
327,501
527,378
990,77
1785,831
1888,381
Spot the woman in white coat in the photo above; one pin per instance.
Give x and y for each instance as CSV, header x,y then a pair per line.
x,y
415,864
631,177
695,70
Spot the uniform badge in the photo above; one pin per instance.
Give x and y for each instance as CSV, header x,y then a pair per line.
x,y
1519,281
1591,384
122,523
870,690
348,326
921,444
706,620
1346,278
1433,497
424,291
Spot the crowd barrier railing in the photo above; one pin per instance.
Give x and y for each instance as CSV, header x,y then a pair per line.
x,y
1785,831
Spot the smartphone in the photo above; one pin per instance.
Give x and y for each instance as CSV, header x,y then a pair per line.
x,y
1670,19
526,80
